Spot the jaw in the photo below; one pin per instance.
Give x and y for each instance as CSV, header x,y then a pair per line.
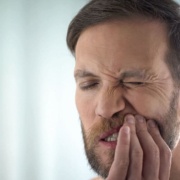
x,y
104,156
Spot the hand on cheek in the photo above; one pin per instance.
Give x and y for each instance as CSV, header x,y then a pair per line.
x,y
164,151
145,155
151,158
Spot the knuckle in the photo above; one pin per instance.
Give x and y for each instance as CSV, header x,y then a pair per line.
x,y
156,152
167,153
138,153
124,163
141,131
137,159
155,134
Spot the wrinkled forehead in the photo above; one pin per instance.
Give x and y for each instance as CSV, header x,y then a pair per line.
x,y
122,44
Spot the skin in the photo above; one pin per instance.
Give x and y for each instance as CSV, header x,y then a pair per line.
x,y
110,50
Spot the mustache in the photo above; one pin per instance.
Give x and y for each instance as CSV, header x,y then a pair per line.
x,y
102,125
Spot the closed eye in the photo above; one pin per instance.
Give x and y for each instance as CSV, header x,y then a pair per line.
x,y
91,86
135,83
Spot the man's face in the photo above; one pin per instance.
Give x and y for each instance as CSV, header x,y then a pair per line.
x,y
120,69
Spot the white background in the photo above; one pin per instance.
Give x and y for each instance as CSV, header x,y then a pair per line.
x,y
40,134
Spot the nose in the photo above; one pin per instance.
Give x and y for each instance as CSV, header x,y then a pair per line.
x,y
109,104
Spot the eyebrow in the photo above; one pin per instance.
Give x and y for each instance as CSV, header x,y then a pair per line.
x,y
82,74
136,73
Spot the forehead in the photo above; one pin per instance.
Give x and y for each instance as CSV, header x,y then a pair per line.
x,y
122,44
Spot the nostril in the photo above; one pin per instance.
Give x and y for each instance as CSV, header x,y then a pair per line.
x,y
108,107
115,115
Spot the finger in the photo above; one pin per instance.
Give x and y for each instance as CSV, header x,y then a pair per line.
x,y
120,164
151,159
165,152
136,153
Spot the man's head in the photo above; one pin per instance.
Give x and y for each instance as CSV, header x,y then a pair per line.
x,y
127,62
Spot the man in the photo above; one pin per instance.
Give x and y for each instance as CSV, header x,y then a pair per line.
x,y
128,81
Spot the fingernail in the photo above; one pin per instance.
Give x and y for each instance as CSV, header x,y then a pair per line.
x,y
126,130
130,119
151,123
139,118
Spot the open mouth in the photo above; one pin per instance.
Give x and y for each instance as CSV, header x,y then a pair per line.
x,y
110,136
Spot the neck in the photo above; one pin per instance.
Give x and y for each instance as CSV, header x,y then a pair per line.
x,y
175,167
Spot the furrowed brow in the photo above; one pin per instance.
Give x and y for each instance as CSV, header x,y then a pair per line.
x,y
140,74
82,74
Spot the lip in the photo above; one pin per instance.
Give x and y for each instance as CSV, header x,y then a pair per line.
x,y
109,145
106,134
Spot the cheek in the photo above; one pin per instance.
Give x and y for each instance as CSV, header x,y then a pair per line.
x,y
85,107
148,104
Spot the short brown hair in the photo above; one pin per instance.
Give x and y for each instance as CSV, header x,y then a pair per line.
x,y
98,11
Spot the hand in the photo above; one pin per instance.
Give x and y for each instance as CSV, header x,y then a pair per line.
x,y
141,153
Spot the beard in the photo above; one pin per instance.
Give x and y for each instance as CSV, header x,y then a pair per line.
x,y
101,160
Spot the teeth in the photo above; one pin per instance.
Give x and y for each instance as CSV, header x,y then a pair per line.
x,y
113,137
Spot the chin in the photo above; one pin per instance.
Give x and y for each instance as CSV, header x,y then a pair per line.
x,y
100,160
